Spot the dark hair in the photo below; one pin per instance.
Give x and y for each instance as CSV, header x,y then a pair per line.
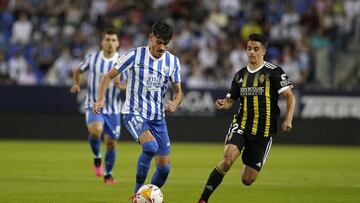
x,y
110,32
162,30
258,38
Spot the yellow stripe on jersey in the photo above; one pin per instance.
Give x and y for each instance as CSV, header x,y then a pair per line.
x,y
268,106
244,117
256,107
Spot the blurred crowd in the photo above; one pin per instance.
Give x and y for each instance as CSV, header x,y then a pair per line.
x,y
315,41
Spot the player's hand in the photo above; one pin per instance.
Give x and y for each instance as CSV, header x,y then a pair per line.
x,y
219,103
286,126
75,88
97,106
170,106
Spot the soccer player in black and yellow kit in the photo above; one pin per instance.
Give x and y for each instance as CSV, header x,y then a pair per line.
x,y
257,86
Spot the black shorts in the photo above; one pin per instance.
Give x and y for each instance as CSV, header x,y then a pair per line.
x,y
255,149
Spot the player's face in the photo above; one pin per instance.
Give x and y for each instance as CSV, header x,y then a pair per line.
x,y
157,46
110,43
255,52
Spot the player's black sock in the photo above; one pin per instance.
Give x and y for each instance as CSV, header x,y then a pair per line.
x,y
212,183
97,161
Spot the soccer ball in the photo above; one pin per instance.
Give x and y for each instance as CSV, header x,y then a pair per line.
x,y
149,194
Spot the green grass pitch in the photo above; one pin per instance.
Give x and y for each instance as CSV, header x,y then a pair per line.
x,y
61,171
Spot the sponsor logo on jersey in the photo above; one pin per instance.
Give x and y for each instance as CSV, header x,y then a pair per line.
x,y
285,81
252,91
154,82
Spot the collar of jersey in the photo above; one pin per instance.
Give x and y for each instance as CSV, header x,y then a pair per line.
x,y
257,69
151,56
108,59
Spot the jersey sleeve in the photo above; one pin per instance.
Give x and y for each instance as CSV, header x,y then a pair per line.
x,y
85,63
281,80
124,62
234,92
175,76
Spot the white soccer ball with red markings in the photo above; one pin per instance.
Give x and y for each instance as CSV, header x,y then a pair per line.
x,y
149,194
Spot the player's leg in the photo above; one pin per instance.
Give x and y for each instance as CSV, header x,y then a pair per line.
x,y
254,157
231,153
234,143
162,157
162,170
110,156
140,130
95,129
112,134
248,175
149,148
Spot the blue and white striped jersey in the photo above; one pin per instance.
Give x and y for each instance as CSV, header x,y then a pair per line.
x,y
148,79
98,66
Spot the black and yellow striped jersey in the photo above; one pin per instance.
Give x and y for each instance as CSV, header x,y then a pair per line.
x,y
258,92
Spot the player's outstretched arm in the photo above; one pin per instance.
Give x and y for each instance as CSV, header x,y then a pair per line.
x,y
290,101
225,103
171,105
102,89
75,88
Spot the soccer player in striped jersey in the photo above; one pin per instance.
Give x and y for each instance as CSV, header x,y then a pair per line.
x,y
150,69
257,86
107,123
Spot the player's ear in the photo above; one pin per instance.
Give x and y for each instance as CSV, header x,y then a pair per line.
x,y
263,51
117,43
151,36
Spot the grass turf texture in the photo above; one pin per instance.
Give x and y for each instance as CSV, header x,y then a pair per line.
x,y
61,171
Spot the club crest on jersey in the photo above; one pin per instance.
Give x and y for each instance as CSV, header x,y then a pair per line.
x,y
164,70
261,78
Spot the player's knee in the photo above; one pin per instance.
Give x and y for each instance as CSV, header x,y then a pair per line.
x,y
248,180
150,148
225,165
111,145
95,132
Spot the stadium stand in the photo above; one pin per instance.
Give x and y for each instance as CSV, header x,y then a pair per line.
x,y
312,39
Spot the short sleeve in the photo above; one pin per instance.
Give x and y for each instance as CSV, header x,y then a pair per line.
x,y
124,62
281,80
175,77
234,92
85,63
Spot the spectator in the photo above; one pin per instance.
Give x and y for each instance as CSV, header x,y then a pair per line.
x,y
61,72
22,30
291,66
320,44
4,71
17,65
26,77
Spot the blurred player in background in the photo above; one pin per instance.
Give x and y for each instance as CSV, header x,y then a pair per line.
x,y
257,86
150,69
107,123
